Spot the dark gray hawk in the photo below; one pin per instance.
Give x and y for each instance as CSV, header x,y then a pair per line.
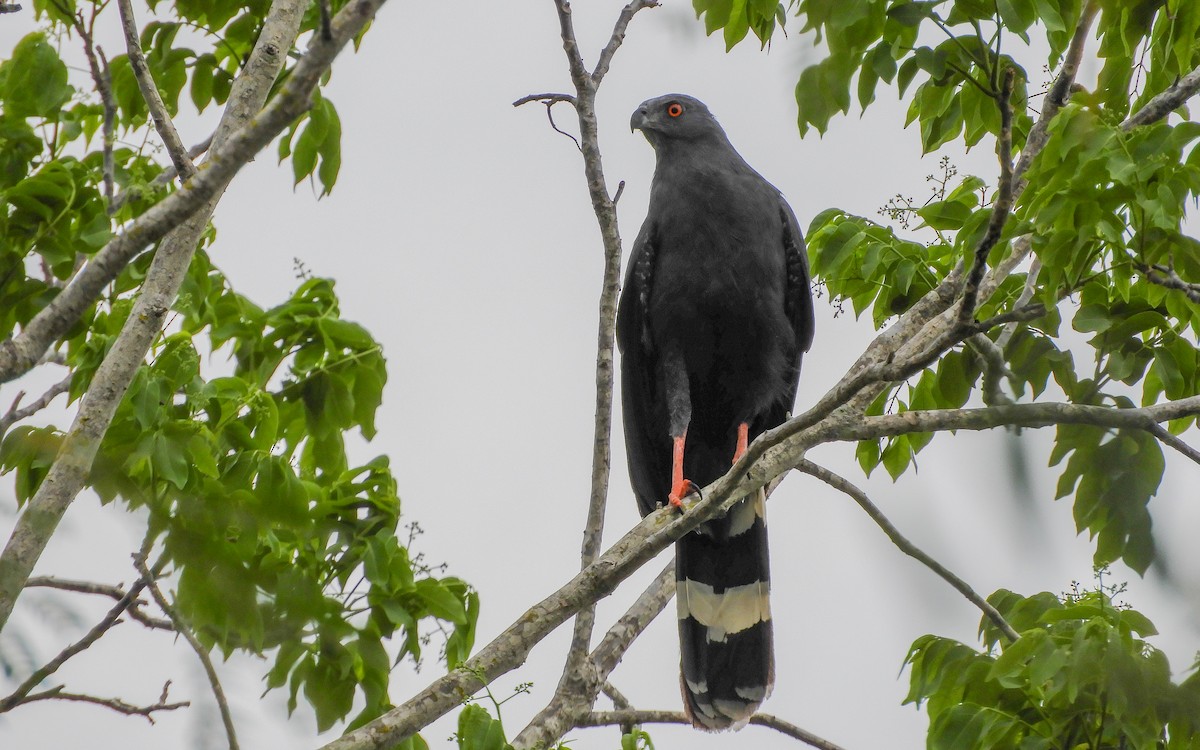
x,y
714,319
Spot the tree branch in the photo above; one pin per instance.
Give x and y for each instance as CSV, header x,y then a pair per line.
x,y
1166,102
18,696
1165,276
566,707
586,84
243,138
158,110
182,627
1002,206
116,704
15,414
100,589
103,82
610,718
842,485
238,137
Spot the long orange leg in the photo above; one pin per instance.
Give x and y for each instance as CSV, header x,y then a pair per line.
x,y
743,434
679,485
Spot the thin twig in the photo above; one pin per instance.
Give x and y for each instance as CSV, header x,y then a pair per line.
x,y
163,178
102,589
1002,206
610,718
16,412
17,697
158,109
575,679
842,485
103,82
1174,441
116,704
618,36
1165,276
1167,102
209,670
1031,278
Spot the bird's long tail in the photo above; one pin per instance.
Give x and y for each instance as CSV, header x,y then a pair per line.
x,y
722,592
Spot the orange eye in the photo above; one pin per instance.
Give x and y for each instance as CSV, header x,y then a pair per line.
x,y
674,109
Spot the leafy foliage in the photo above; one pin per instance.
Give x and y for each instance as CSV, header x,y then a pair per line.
x,y
232,435
1081,675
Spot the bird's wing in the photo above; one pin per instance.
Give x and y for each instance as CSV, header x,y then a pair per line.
x,y
798,302
645,427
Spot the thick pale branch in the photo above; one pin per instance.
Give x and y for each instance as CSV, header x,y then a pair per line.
x,y
1013,415
228,156
566,706
158,109
844,486
625,718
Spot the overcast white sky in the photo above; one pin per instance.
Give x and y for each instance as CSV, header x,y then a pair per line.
x,y
461,235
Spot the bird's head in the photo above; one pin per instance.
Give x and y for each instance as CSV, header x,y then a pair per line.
x,y
674,118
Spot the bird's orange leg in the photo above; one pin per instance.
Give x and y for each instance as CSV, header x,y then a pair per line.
x,y
743,434
680,487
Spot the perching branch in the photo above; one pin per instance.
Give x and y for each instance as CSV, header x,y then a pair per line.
x,y
158,110
844,486
116,704
182,627
623,718
238,137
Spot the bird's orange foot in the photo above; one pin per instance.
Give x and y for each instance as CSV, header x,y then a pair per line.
x,y
681,490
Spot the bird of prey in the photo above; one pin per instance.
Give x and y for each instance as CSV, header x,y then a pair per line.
x,y
714,319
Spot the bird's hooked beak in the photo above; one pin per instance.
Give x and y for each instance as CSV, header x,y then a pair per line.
x,y
638,121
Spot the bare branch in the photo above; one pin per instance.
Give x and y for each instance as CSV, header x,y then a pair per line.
x,y
618,36
1166,102
625,718
1173,441
116,704
545,99
158,110
18,696
575,678
182,628
844,486
103,81
566,706
16,412
619,701
101,589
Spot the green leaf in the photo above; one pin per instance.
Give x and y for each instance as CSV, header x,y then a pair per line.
x,y
477,730
440,602
33,81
